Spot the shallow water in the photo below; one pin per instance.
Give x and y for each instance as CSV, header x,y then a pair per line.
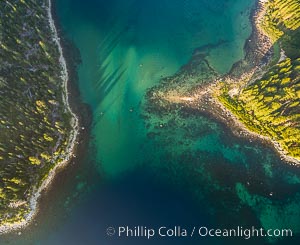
x,y
127,46
192,171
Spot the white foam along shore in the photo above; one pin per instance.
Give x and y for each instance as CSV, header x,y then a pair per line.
x,y
9,227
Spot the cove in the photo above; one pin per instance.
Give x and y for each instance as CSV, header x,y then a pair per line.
x,y
192,172
127,46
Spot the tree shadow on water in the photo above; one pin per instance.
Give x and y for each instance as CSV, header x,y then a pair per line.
x,y
107,74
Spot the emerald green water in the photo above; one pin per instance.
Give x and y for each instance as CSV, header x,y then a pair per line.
x,y
175,167
127,46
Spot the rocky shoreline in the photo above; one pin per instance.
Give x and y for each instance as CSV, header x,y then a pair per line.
x,y
70,148
258,55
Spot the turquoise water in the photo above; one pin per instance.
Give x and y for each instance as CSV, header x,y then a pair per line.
x,y
189,171
127,46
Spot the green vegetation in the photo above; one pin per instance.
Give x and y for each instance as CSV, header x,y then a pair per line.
x,y
270,106
280,16
34,124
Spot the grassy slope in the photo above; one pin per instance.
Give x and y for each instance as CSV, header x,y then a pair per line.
x,y
33,120
271,105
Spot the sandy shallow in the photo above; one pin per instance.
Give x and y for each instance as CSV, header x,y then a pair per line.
x,y
256,47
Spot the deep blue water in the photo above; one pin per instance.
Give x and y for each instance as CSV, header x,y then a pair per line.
x,y
191,172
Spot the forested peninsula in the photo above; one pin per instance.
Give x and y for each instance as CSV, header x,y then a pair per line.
x,y
259,98
38,127
266,99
